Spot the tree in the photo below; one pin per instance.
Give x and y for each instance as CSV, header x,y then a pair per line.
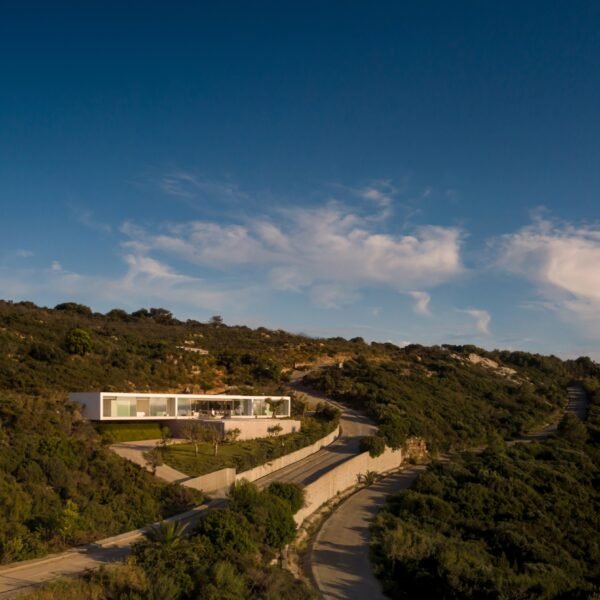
x,y
227,531
211,435
292,493
192,432
373,444
273,405
154,459
81,309
78,341
275,430
216,320
166,438
233,434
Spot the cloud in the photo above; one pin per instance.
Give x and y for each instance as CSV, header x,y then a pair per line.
x,y
320,250
22,253
422,300
482,319
86,218
185,185
563,262
145,282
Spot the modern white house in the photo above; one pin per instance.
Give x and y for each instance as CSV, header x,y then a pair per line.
x,y
119,406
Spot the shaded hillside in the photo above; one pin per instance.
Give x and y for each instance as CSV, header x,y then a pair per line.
x,y
60,487
145,350
452,396
519,522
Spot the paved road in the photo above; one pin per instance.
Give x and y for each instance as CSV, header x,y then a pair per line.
x,y
21,577
353,426
339,559
340,555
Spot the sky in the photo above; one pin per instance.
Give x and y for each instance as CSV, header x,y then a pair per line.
x,y
408,172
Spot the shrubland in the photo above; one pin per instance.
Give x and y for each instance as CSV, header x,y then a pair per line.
x,y
232,553
443,396
519,521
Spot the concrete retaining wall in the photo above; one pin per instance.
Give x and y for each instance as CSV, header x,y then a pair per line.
x,y
288,459
249,428
212,482
220,481
345,476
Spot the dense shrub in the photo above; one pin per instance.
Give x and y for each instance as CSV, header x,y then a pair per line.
x,y
517,522
59,486
373,444
292,493
439,395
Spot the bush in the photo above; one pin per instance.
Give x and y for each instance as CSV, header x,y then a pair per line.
x,y
78,341
373,444
292,493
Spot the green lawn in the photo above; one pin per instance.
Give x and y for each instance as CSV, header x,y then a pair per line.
x,y
129,432
244,455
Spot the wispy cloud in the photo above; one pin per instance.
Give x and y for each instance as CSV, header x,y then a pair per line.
x,y
22,253
186,185
422,300
482,319
320,250
86,218
145,282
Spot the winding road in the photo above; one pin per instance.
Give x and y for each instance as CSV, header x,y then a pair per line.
x,y
339,559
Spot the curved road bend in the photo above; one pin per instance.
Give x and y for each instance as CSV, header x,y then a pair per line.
x,y
353,426
339,559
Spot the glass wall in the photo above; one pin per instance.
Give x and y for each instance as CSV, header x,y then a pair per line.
x,y
261,408
162,406
120,407
184,407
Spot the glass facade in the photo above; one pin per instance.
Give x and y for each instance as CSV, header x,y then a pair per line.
x,y
127,407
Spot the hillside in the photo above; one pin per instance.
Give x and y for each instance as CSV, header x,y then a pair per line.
x,y
59,485
513,522
147,350
453,396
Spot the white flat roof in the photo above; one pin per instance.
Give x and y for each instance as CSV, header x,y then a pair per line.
x,y
176,395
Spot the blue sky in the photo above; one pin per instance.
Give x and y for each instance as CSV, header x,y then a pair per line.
x,y
413,173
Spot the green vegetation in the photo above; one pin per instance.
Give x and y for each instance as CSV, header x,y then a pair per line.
x,y
373,444
228,556
440,395
199,458
70,348
514,522
59,486
129,432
